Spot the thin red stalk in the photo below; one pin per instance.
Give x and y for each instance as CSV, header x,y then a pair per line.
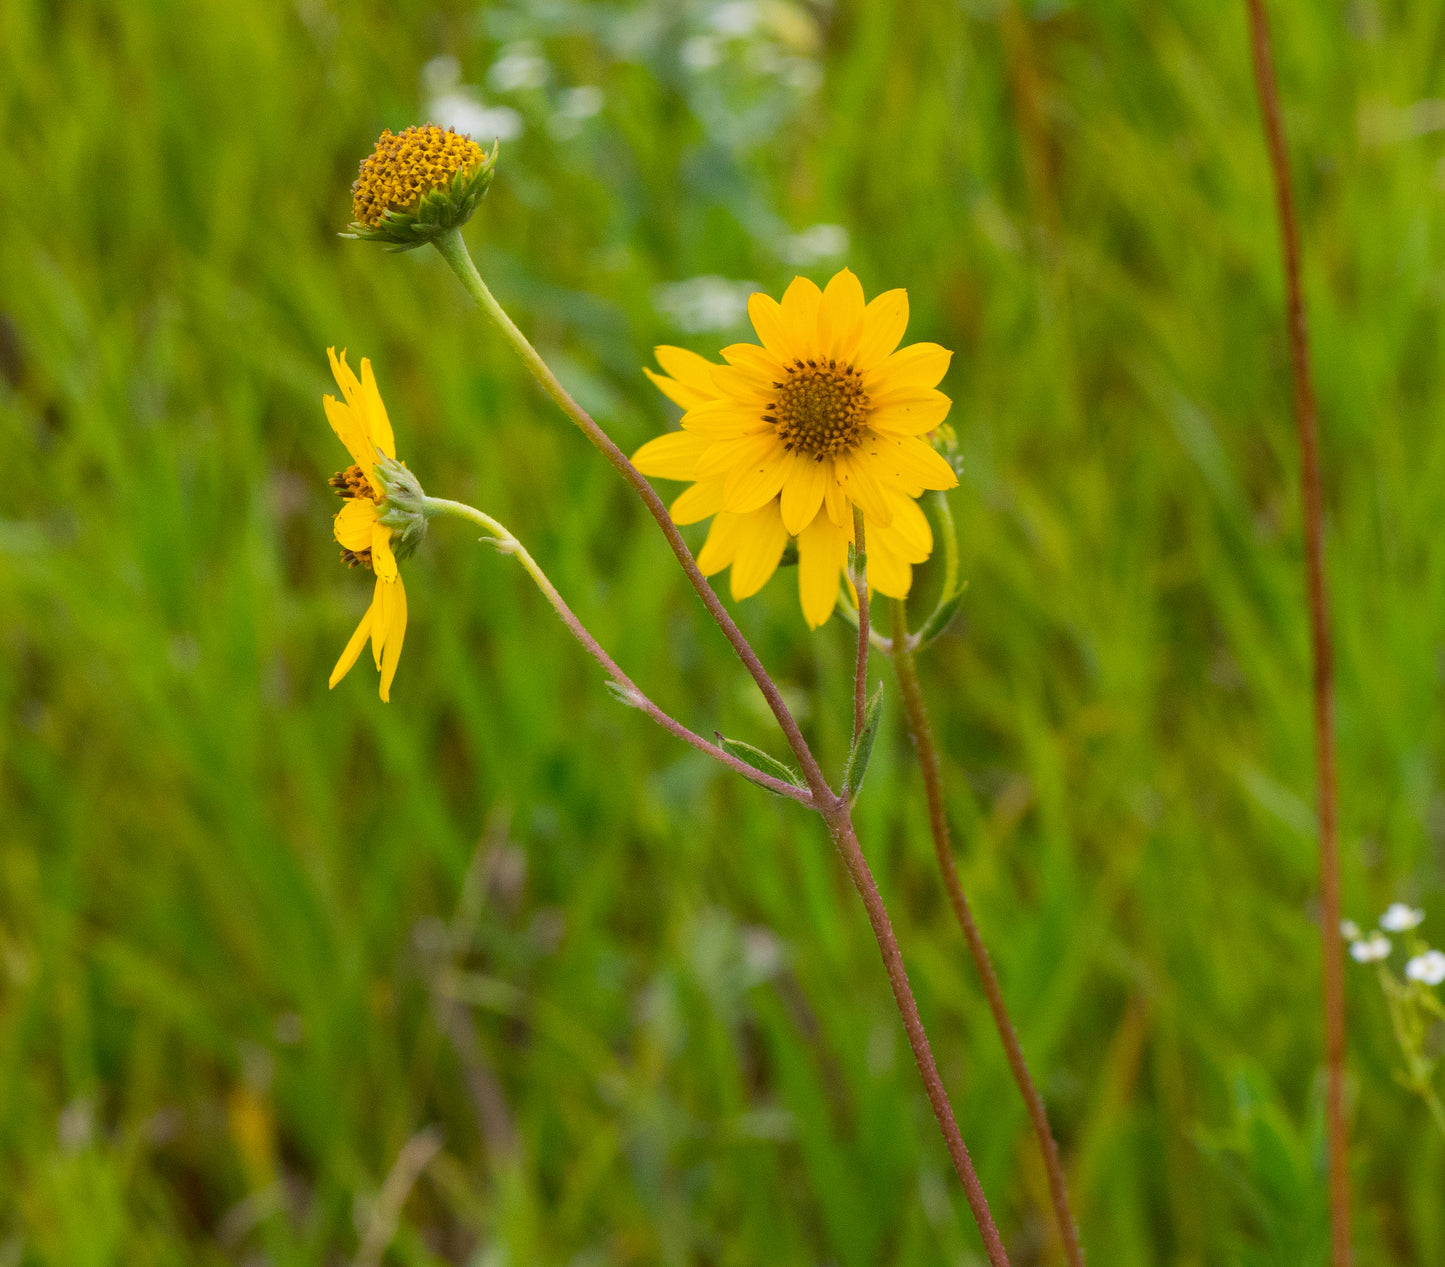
x,y
860,583
840,826
1307,421
918,727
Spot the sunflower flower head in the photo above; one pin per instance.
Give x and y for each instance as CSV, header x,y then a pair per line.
x,y
785,440
360,422
417,184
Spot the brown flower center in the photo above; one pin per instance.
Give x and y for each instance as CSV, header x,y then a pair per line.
x,y
821,408
351,484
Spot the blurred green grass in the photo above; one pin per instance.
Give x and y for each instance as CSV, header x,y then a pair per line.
x,y
255,936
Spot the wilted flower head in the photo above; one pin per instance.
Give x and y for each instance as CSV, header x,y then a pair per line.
x,y
1371,949
1399,918
1429,967
418,184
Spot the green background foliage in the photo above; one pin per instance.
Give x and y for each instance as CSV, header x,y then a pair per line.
x,y
256,936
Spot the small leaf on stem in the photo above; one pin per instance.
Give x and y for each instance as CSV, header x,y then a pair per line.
x,y
863,744
760,760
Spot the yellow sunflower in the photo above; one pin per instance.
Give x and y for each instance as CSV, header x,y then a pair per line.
x,y
786,439
365,430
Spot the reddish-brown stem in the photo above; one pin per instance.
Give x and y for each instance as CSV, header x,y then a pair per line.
x,y
1307,422
918,728
860,583
840,827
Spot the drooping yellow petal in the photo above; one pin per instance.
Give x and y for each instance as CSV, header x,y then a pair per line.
x,y
688,368
343,375
856,478
910,413
698,502
381,597
383,561
395,635
377,422
683,395
917,365
822,555
840,317
749,487
760,546
353,647
910,529
721,545
354,522
803,492
884,321
888,571
672,457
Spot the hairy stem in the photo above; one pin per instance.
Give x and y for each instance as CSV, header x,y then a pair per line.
x,y
840,826
1307,422
454,251
508,544
918,728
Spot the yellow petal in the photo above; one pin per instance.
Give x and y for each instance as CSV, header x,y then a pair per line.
x,y
381,621
724,420
822,555
721,545
917,365
910,530
672,457
840,317
753,361
395,635
835,500
888,572
383,561
683,395
749,487
688,368
353,523
350,429
903,461
801,302
377,421
760,547
884,322
910,413
726,456
698,502
744,386
353,647
768,320
345,379
856,478
803,492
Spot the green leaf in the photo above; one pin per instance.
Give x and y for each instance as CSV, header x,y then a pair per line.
x,y
760,760
942,615
623,695
863,744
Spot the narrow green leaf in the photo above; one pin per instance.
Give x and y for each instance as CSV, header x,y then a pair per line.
x,y
760,760
863,744
939,620
623,695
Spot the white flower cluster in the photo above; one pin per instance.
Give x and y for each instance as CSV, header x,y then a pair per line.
x,y
1373,947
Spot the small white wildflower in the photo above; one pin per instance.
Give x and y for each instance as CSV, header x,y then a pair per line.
x,y
440,75
462,111
521,67
816,243
1349,930
736,18
581,102
1375,947
702,304
1429,967
1399,918
700,53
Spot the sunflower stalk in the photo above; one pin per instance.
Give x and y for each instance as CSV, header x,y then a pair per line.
x,y
830,805
922,734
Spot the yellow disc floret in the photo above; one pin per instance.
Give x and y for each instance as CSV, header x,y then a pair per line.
x,y
405,166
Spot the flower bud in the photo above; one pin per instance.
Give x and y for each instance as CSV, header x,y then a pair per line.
x,y
403,509
418,184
